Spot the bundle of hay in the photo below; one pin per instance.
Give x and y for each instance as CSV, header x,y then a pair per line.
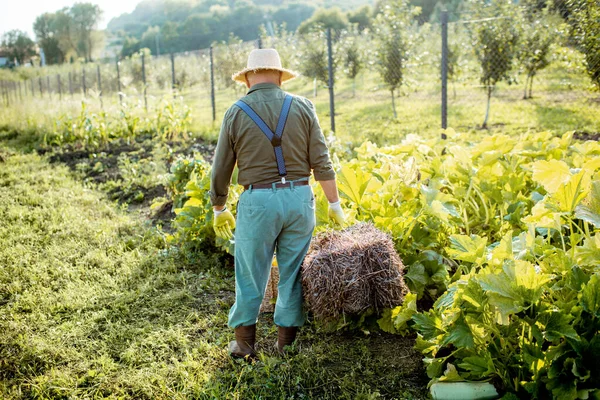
x,y
350,271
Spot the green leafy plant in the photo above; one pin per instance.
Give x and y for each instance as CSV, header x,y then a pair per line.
x,y
527,317
194,218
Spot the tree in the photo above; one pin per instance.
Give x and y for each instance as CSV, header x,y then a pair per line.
x,y
313,56
229,57
495,38
65,33
47,37
361,17
353,61
85,18
18,45
534,50
392,44
585,19
324,18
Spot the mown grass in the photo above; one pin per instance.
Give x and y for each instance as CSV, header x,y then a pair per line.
x,y
93,305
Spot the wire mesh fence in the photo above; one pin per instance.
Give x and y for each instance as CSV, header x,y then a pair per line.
x,y
502,62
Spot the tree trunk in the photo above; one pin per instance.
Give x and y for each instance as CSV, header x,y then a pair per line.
x,y
394,104
353,87
531,87
487,111
315,88
526,83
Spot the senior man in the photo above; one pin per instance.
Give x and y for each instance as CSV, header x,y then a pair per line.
x,y
276,141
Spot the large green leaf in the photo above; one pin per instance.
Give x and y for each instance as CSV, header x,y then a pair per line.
x,y
516,287
477,365
590,296
459,335
589,253
551,174
353,182
416,279
557,326
569,195
396,320
439,204
467,248
590,210
428,324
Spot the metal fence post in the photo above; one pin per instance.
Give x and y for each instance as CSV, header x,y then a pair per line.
x,y
259,43
173,74
444,71
41,88
83,81
212,85
119,82
59,86
70,84
330,71
144,80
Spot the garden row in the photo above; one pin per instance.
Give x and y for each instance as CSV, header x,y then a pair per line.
x,y
502,236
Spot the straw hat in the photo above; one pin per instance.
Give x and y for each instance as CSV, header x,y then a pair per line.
x,y
262,59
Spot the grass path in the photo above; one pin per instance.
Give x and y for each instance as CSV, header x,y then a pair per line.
x,y
93,306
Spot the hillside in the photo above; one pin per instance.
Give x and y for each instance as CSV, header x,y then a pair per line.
x,y
181,25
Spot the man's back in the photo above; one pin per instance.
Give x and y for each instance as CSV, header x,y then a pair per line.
x,y
303,144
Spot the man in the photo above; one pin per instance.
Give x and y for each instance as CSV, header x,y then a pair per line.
x,y
276,141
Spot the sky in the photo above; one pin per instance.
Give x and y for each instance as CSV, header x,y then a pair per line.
x,y
20,14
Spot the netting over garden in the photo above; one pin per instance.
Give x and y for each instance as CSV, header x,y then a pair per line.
x,y
530,65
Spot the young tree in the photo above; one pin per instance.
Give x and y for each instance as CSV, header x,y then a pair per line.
x,y
495,38
352,58
18,45
313,56
392,43
534,50
229,57
585,19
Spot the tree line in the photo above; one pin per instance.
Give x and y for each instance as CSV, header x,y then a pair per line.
x,y
65,35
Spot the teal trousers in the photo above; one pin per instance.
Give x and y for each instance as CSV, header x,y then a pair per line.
x,y
269,220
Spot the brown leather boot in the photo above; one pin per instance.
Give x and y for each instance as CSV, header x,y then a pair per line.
x,y
243,345
285,337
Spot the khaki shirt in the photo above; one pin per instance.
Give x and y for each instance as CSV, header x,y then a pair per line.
x,y
242,141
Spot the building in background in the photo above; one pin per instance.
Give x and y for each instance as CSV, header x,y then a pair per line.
x,y
3,58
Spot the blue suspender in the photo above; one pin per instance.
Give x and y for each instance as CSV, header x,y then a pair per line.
x,y
274,138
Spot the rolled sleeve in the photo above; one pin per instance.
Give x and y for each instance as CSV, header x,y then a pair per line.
x,y
319,159
223,165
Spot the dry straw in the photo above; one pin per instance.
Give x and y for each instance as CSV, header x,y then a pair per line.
x,y
351,271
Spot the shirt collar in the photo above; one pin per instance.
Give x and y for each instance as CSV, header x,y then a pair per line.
x,y
260,86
